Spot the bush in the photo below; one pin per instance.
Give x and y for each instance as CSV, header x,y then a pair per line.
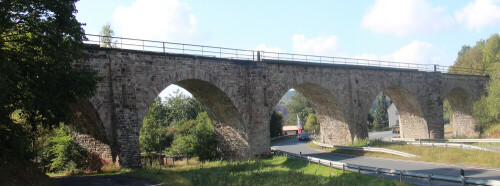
x,y
62,153
276,124
195,138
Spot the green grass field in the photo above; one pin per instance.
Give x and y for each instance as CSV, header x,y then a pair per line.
x,y
276,170
430,154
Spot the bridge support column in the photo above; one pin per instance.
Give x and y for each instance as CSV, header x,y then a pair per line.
x,y
432,107
259,112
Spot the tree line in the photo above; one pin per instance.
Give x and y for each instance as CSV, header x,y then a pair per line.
x,y
485,56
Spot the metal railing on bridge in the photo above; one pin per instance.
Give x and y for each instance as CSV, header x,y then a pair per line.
x,y
252,55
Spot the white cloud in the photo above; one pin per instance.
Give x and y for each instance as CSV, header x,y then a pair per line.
x,y
415,52
263,47
165,20
323,45
479,14
405,17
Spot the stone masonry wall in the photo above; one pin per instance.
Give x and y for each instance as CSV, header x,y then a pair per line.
x,y
241,95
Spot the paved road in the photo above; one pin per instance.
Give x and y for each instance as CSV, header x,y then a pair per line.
x,y
384,135
102,180
296,146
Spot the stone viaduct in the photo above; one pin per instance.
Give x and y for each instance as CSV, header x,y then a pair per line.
x,y
240,95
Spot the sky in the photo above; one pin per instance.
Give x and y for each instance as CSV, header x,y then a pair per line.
x,y
411,31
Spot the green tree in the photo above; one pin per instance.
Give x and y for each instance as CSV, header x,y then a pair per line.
x,y
276,124
205,141
370,119
195,138
447,112
485,55
298,106
312,123
62,153
106,36
39,42
157,131
153,136
381,118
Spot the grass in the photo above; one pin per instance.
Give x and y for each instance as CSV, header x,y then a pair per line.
x,y
429,154
494,132
277,170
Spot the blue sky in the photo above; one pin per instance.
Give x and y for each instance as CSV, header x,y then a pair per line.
x,y
414,31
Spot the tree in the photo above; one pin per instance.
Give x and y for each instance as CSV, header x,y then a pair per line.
x,y
196,138
485,56
153,136
107,33
381,118
276,124
157,131
312,123
39,42
370,119
298,106
447,112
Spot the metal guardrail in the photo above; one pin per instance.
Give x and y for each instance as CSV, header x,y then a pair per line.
x,y
401,173
252,55
489,140
368,149
446,145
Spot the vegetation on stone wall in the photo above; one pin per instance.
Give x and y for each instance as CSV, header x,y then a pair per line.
x,y
485,55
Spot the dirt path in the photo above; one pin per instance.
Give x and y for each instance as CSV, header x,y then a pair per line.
x,y
102,180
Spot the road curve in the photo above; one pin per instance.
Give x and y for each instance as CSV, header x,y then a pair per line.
x,y
295,146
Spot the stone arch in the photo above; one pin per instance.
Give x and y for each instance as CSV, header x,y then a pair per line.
x,y
411,118
88,130
461,106
334,126
231,133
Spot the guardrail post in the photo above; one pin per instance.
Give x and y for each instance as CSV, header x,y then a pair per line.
x,y
400,176
163,47
343,168
463,180
319,162
258,56
429,178
309,160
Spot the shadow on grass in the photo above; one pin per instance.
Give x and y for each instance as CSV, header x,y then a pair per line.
x,y
288,172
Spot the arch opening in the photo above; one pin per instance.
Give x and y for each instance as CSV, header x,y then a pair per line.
x,y
334,127
88,130
383,118
411,119
461,118
230,132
